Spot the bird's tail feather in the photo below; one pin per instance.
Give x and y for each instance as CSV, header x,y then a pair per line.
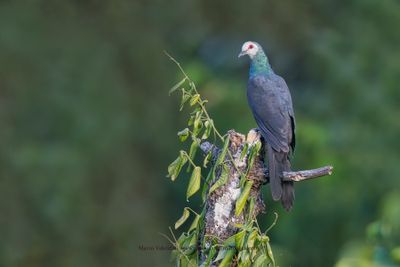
x,y
287,195
278,162
274,174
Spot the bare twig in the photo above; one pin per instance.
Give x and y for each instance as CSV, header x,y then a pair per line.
x,y
295,176
307,174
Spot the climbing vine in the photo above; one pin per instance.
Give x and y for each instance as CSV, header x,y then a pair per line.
x,y
249,245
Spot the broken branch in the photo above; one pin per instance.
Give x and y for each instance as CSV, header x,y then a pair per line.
x,y
295,176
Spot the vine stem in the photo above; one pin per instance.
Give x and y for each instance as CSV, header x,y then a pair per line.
x,y
189,208
176,245
187,157
203,108
272,224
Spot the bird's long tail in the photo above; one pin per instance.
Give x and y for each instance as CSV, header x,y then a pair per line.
x,y
278,162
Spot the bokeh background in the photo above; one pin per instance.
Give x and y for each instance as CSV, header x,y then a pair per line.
x,y
87,128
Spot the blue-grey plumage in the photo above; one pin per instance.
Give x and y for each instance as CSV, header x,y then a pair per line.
x,y
271,103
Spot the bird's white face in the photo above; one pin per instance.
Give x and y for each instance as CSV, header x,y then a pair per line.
x,y
249,48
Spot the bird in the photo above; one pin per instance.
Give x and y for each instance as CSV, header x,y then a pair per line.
x,y
271,104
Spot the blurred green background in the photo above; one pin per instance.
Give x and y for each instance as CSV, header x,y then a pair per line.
x,y
87,128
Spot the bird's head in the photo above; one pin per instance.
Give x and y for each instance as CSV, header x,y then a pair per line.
x,y
250,48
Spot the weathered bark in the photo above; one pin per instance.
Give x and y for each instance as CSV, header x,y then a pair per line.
x,y
220,219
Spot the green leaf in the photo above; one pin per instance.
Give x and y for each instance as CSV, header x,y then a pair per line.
x,y
222,154
176,166
228,245
230,242
207,159
176,86
186,241
221,254
207,131
191,247
228,258
191,120
244,259
172,167
183,218
223,178
193,148
253,153
239,239
254,253
194,99
239,225
197,127
185,98
194,223
192,151
182,239
184,134
194,183
240,203
197,124
243,179
210,256
204,191
244,151
174,256
210,177
187,263
252,238
251,207
269,253
264,239
261,261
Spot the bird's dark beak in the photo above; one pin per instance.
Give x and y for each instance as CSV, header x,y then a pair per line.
x,y
243,53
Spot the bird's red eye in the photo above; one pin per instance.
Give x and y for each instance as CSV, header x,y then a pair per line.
x,y
251,46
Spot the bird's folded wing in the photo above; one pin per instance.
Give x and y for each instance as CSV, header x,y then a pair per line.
x,y
271,112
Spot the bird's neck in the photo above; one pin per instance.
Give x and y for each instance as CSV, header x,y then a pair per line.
x,y
260,65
